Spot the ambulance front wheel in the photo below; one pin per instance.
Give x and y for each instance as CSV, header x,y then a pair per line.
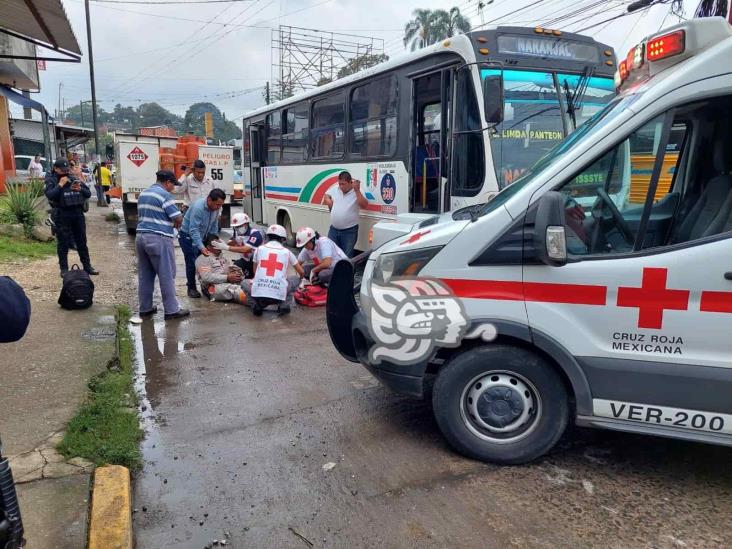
x,y
500,403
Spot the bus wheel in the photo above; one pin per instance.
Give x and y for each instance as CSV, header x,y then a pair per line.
x,y
500,403
287,224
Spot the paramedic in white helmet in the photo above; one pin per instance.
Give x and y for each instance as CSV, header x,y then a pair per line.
x,y
318,256
271,284
244,241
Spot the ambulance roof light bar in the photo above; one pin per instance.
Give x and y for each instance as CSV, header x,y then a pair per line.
x,y
674,45
666,45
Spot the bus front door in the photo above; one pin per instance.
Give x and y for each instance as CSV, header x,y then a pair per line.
x,y
431,105
256,133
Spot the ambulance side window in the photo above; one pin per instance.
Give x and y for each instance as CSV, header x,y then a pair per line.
x,y
604,202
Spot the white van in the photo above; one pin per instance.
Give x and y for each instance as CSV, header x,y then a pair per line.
x,y
598,287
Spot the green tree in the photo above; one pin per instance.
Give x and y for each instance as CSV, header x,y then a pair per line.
x,y
430,26
194,122
74,114
125,115
360,63
152,114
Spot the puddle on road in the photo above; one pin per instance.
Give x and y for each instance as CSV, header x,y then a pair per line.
x,y
155,343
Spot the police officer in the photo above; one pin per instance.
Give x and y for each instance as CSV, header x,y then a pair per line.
x,y
67,195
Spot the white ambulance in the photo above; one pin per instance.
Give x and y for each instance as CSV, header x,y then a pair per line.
x,y
596,288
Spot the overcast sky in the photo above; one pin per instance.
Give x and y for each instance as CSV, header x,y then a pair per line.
x,y
180,54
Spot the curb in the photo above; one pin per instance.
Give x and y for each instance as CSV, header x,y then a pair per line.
x,y
110,525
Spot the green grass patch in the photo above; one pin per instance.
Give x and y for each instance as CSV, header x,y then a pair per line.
x,y
111,216
106,430
15,248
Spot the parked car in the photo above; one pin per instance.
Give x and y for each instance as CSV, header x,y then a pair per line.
x,y
22,161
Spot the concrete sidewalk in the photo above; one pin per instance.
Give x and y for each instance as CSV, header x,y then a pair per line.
x,y
44,381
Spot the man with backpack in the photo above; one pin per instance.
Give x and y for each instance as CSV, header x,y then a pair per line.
x,y
271,284
318,256
67,196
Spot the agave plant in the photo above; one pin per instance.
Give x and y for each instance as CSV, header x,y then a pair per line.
x,y
22,202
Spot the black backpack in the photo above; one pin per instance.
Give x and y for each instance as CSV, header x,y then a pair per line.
x,y
77,290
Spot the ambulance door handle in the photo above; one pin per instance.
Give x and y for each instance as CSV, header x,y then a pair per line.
x,y
728,275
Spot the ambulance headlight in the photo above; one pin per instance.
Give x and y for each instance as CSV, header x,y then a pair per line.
x,y
402,264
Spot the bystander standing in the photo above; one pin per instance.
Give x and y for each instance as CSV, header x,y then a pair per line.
x,y
195,185
158,216
67,196
345,203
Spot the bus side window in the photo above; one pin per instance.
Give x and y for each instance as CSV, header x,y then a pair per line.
x,y
274,125
373,114
328,127
295,135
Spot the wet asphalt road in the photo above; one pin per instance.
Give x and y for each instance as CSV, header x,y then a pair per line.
x,y
241,414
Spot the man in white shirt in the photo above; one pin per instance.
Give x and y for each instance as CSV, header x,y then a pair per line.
x,y
195,185
345,203
271,285
35,168
318,256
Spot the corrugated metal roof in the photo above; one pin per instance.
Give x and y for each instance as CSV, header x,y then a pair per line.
x,y
41,20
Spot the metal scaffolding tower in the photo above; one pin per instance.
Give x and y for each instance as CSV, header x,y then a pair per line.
x,y
304,58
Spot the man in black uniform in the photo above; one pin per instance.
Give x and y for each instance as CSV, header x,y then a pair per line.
x,y
66,196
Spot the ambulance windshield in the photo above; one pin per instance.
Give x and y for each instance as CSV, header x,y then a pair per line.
x,y
613,109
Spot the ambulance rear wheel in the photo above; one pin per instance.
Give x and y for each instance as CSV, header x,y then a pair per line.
x,y
501,404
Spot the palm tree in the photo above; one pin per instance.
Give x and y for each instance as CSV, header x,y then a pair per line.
x,y
430,26
457,23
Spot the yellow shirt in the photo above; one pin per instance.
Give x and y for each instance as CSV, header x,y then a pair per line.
x,y
106,176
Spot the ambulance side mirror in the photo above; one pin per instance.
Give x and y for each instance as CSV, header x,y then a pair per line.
x,y
550,240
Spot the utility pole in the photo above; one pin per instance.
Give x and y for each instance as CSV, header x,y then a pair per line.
x,y
81,113
266,93
58,112
101,202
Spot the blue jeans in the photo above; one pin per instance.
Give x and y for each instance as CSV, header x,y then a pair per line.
x,y
345,239
155,257
190,254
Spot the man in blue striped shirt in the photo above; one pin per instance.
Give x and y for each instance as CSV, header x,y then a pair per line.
x,y
201,218
157,217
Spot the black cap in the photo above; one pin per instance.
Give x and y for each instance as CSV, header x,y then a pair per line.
x,y
166,176
61,163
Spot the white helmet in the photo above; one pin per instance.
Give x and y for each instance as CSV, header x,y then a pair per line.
x,y
277,230
304,235
239,219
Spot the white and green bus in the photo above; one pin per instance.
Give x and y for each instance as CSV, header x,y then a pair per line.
x,y
433,130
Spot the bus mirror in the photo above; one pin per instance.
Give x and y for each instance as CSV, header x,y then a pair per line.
x,y
550,241
493,99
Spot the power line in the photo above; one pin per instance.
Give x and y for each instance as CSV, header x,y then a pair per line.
x,y
170,3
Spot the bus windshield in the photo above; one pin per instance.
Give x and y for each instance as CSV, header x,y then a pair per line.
x,y
536,116
595,123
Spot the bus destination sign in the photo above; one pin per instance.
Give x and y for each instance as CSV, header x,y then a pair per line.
x,y
548,48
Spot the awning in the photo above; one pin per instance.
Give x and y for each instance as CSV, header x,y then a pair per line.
x,y
21,100
41,22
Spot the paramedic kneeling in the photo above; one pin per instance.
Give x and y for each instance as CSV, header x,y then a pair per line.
x,y
220,278
271,285
244,241
318,256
